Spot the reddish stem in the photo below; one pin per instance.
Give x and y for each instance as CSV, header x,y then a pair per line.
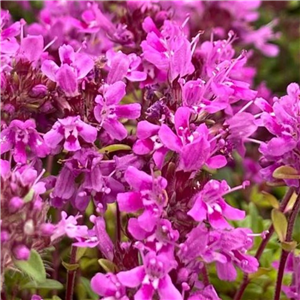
x,y
71,275
285,254
263,244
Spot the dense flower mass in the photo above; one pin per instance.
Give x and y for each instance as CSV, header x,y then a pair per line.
x,y
124,131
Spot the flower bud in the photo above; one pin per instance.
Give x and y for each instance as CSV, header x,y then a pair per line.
x,y
29,227
4,236
15,204
47,229
21,252
38,91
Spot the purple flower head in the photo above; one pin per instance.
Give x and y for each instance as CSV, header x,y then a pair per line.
x,y
227,248
70,129
109,286
191,142
282,121
98,237
74,66
108,111
168,49
260,38
152,276
148,194
231,248
210,205
18,137
68,226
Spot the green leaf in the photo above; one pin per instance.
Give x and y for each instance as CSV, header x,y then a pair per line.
x,y
270,199
286,172
259,272
280,223
107,265
86,283
48,284
291,202
114,148
80,252
70,267
289,246
33,267
29,196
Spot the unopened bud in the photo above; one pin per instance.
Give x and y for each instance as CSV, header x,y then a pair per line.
x,y
47,229
15,204
4,236
21,252
38,91
29,227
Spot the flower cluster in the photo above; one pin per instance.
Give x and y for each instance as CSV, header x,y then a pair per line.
x,y
134,112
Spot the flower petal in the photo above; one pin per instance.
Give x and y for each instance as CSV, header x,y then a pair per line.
x,y
49,68
132,278
169,138
115,93
128,111
167,290
130,201
67,80
139,180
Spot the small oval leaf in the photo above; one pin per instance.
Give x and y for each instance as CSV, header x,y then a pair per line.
x,y
80,252
33,267
114,148
289,246
271,199
286,172
107,265
280,223
70,267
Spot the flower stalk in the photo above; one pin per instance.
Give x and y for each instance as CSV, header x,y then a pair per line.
x,y
284,253
263,244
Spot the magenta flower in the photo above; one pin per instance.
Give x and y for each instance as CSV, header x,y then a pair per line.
x,y
210,205
282,121
98,237
122,65
70,129
149,142
191,143
24,140
152,276
108,111
148,194
168,49
74,66
68,226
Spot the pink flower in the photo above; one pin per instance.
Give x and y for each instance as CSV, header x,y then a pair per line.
x,y
20,136
70,129
74,66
